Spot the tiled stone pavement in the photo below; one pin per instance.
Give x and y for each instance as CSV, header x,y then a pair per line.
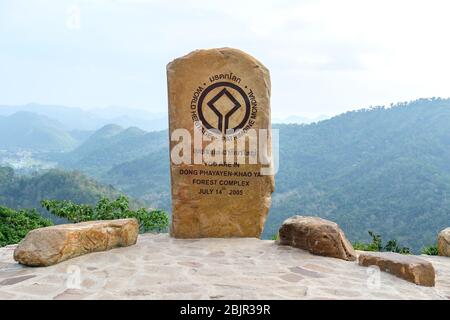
x,y
159,267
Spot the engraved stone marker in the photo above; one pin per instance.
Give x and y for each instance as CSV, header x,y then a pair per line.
x,y
220,130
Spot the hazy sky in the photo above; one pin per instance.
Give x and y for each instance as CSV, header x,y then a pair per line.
x,y
325,57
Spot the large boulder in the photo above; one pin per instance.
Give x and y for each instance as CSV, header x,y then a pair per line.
x,y
318,236
51,245
444,242
410,268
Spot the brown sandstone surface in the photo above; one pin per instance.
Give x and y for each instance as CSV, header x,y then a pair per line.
x,y
218,89
444,242
316,235
51,245
407,267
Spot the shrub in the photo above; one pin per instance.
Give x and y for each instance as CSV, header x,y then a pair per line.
x,y
430,250
392,246
105,209
14,225
377,245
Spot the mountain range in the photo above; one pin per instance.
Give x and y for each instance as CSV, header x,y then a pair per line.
x,y
27,130
94,118
380,169
75,120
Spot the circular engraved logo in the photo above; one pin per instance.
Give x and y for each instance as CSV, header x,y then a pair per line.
x,y
223,106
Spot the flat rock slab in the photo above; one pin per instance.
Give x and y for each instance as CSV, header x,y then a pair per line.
x,y
51,245
317,235
444,242
410,268
160,267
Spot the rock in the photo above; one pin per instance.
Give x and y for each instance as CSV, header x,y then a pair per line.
x,y
211,92
318,236
51,245
409,268
444,242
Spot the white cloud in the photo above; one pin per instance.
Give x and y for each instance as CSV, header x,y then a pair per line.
x,y
325,56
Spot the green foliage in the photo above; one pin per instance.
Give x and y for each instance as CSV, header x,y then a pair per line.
x,y
377,245
392,246
430,250
274,237
105,209
14,225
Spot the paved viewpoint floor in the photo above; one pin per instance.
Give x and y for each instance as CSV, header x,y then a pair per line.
x,y
159,267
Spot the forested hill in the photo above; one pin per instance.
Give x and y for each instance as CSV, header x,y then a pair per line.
x,y
113,145
386,170
19,191
381,169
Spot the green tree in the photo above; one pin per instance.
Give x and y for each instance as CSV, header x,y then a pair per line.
x,y
14,225
105,209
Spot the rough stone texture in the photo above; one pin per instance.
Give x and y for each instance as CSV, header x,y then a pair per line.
x,y
50,245
318,236
444,242
407,267
225,210
160,267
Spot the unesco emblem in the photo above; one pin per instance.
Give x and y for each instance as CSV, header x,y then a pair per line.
x,y
224,106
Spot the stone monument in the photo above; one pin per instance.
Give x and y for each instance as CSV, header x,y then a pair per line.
x,y
221,144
